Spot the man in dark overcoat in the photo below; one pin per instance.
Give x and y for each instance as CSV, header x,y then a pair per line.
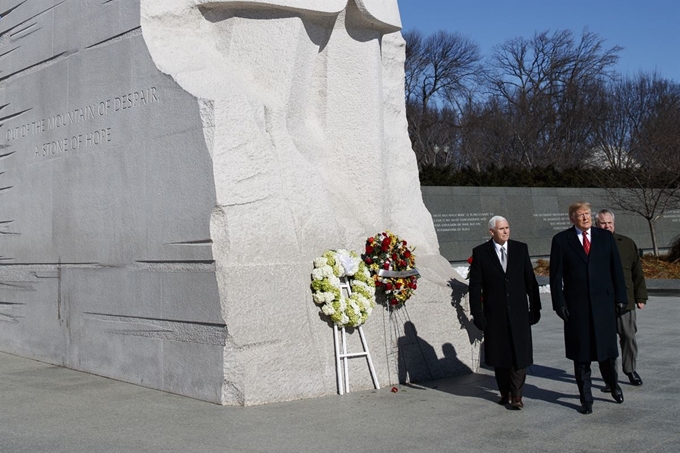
x,y
501,279
588,289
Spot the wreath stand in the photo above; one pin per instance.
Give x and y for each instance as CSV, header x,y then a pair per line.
x,y
341,364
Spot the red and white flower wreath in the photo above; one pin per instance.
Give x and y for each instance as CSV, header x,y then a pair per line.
x,y
393,265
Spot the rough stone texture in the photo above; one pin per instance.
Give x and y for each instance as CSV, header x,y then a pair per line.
x,y
168,172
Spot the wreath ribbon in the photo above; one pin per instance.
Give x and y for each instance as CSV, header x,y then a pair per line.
x,y
398,274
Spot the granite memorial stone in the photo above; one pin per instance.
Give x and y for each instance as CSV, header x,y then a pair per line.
x,y
170,168
461,215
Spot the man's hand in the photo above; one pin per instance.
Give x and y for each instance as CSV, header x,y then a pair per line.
x,y
534,316
563,313
479,321
640,304
620,308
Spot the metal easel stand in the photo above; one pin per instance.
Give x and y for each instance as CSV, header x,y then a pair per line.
x,y
341,358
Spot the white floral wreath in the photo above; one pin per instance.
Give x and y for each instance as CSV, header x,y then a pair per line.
x,y
343,311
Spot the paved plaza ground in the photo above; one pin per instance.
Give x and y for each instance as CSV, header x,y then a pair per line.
x,y
44,408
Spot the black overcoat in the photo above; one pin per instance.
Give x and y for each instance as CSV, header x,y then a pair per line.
x,y
589,286
502,297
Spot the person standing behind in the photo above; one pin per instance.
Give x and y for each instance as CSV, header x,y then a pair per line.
x,y
626,324
501,278
587,290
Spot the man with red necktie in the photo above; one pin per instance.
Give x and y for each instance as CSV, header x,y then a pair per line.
x,y
587,287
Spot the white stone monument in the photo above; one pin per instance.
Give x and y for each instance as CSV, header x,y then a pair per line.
x,y
170,168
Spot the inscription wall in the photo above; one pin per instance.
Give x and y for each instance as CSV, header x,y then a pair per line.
x,y
81,137
106,192
461,216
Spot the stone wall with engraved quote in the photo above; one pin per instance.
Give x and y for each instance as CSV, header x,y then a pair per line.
x,y
106,194
535,215
169,170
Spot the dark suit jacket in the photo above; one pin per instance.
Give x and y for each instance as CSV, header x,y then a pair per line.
x,y
504,302
589,286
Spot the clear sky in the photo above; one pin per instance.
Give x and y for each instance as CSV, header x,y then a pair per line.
x,y
648,30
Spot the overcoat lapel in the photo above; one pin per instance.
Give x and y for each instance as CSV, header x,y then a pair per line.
x,y
491,250
572,240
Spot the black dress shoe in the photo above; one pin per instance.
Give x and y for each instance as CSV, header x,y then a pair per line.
x,y
634,378
617,394
505,399
606,389
586,408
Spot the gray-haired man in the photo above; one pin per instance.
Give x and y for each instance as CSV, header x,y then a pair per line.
x,y
637,296
505,303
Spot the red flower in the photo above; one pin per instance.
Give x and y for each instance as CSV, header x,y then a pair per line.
x,y
394,302
395,257
386,244
469,260
368,260
398,285
388,286
394,390
369,249
407,254
404,242
386,265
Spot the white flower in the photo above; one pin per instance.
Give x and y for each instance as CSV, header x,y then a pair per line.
x,y
317,274
323,298
338,270
359,285
327,271
335,281
355,307
364,302
328,310
320,262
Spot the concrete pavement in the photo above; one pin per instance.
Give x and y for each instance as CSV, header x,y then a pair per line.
x,y
44,408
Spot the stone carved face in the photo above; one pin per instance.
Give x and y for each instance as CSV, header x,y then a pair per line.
x,y
299,104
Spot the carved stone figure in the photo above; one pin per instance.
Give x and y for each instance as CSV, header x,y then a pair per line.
x,y
187,161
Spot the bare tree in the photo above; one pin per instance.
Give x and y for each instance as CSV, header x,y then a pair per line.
x,y
640,144
440,71
548,90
